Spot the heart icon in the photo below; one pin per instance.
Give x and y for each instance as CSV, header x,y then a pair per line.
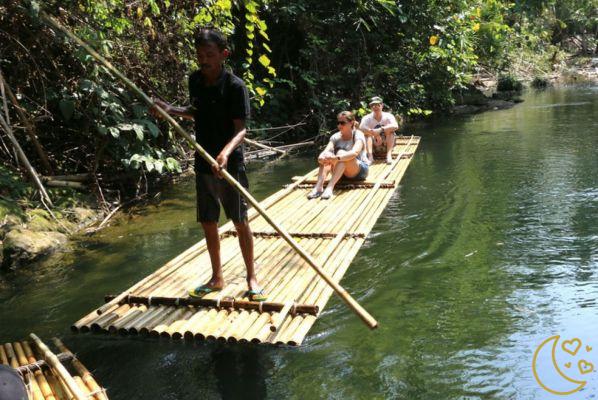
x,y
571,346
588,349
585,367
568,365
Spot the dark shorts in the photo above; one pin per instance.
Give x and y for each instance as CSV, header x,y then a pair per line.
x,y
364,168
211,191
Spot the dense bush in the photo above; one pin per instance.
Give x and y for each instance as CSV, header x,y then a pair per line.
x,y
301,59
508,83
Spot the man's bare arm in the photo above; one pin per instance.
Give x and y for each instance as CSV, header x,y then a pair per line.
x,y
240,131
184,112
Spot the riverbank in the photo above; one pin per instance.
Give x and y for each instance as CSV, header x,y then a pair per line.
x,y
29,228
484,93
29,231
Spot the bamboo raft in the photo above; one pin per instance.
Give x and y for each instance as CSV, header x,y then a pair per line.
x,y
44,373
331,231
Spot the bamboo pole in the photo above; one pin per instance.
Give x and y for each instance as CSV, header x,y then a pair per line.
x,y
3,357
51,359
263,146
28,125
345,296
25,161
34,383
65,184
57,387
12,357
86,376
84,177
44,387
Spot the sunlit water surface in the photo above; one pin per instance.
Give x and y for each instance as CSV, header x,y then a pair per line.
x,y
489,247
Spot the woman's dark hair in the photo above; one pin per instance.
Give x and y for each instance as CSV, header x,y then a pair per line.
x,y
349,116
210,35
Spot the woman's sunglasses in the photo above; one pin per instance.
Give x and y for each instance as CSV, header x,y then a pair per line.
x,y
342,122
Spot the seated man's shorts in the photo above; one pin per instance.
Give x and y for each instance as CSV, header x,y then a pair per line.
x,y
381,150
211,191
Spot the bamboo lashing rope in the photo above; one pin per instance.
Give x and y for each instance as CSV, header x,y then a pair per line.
x,y
51,359
319,235
38,365
224,302
86,376
345,296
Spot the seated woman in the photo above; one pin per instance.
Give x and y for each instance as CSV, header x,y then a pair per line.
x,y
343,156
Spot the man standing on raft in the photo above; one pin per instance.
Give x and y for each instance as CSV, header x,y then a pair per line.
x,y
379,128
220,107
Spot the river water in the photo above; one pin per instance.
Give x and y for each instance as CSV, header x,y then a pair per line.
x,y
489,247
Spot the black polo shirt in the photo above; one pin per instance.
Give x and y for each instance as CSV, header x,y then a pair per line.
x,y
215,107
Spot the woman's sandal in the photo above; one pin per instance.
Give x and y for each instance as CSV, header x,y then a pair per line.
x,y
314,195
326,195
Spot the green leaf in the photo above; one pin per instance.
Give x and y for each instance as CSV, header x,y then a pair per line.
x,y
114,131
265,35
152,128
138,131
86,85
264,60
159,165
149,164
251,7
173,165
260,90
67,108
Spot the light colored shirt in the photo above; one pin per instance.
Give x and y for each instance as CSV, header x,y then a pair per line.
x,y
369,122
347,145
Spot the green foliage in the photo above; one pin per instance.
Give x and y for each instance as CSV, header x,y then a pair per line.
x,y
508,83
540,83
301,60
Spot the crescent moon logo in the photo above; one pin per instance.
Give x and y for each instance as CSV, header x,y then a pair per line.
x,y
569,384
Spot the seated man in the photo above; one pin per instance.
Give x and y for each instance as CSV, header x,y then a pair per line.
x,y
379,128
343,156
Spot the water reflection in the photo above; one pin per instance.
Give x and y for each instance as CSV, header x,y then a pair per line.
x,y
489,246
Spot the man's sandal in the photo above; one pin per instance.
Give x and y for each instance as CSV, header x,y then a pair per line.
x,y
202,290
256,295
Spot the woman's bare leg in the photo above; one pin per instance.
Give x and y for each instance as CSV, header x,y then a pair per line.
x,y
323,172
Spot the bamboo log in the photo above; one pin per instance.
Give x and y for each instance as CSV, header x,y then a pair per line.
x,y
51,359
57,387
165,323
345,296
263,146
12,357
65,184
205,302
3,357
86,376
39,365
40,378
71,178
25,161
36,380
